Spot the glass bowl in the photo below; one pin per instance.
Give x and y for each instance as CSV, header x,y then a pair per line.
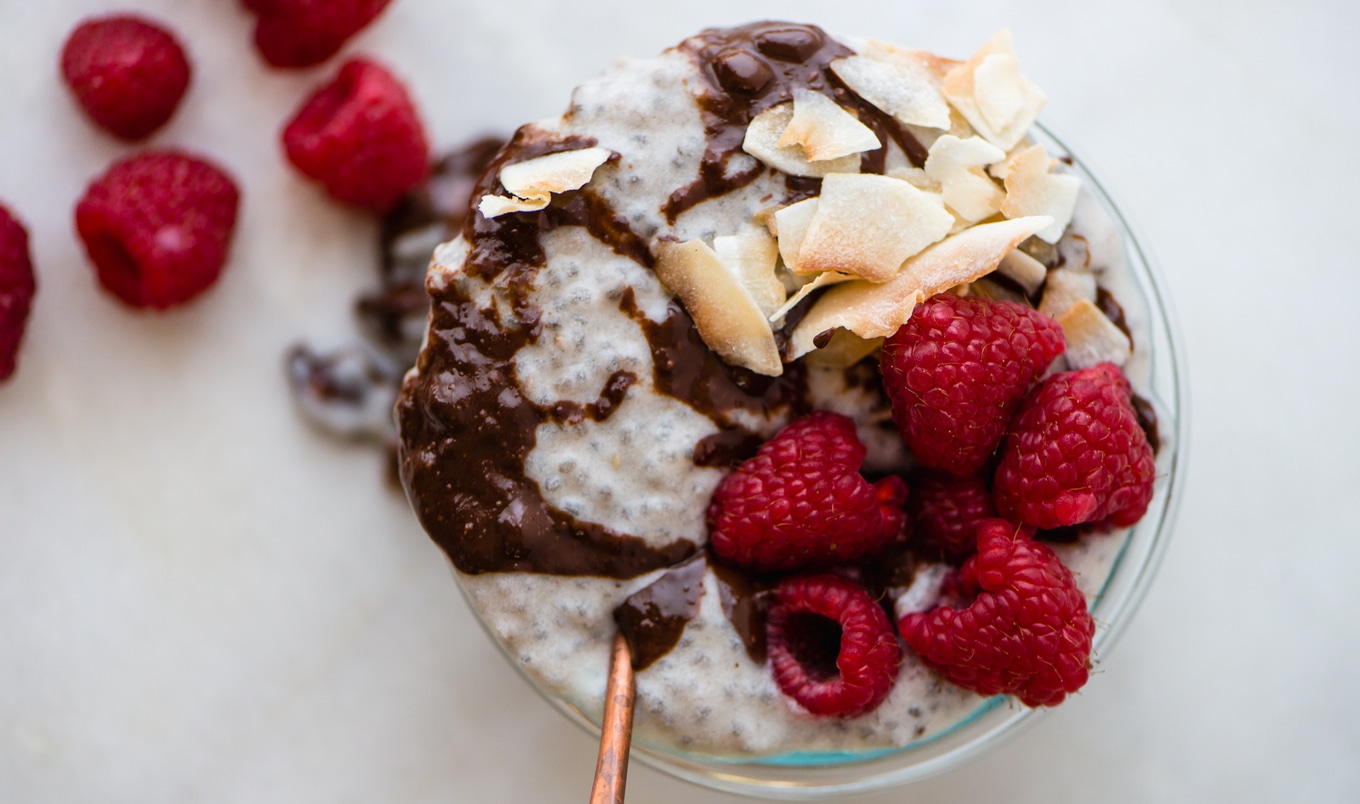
x,y
1161,379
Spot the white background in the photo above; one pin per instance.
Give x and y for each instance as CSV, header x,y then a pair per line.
x,y
203,601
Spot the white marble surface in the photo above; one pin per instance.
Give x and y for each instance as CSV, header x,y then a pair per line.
x,y
202,601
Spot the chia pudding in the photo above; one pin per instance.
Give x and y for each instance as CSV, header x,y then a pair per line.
x,y
567,422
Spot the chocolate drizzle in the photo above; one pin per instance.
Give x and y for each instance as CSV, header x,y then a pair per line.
x,y
467,426
686,369
653,618
754,67
615,388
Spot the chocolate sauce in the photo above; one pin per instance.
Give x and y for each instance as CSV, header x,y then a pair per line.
x,y
653,618
746,599
467,426
615,388
1113,311
1147,420
754,67
726,448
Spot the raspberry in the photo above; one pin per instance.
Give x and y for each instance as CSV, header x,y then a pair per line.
x,y
360,137
1077,454
157,226
801,500
1026,631
831,647
127,73
956,372
17,287
301,33
945,513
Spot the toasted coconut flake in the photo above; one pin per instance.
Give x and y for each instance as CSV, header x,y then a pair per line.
x,y
877,310
532,182
916,177
867,225
751,255
999,103
1024,270
791,223
1092,337
997,90
554,173
824,129
727,318
494,206
903,83
957,165
762,137
844,350
1064,288
823,280
1031,189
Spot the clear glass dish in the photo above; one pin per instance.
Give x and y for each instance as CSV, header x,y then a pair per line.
x,y
815,776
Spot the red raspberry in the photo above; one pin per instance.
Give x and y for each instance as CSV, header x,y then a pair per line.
x,y
801,500
361,137
956,372
1026,631
157,226
1077,454
945,513
127,72
831,647
301,33
17,287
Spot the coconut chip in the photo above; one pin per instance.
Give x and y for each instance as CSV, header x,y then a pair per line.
x,y
1092,337
750,255
903,83
1024,270
1031,189
877,310
762,138
957,165
1064,288
867,225
823,280
791,224
824,129
533,181
992,96
494,206
728,319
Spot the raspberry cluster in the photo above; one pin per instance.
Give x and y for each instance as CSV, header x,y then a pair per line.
x,y
158,224
1002,451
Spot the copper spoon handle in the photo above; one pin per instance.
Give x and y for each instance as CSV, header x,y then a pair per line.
x,y
616,733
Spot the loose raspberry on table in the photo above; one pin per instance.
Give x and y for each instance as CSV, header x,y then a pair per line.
x,y
301,33
945,513
17,286
801,500
1076,453
127,72
157,227
831,646
360,136
956,372
1026,632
